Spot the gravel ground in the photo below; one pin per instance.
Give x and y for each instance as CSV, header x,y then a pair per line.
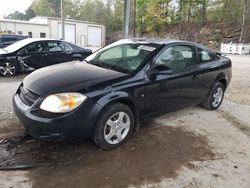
x,y
189,148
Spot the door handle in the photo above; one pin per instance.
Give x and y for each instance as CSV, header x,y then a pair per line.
x,y
44,54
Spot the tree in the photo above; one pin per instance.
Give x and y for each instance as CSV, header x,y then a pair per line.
x,y
29,13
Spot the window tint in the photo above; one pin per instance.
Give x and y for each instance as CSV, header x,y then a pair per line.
x,y
9,38
34,48
205,56
66,47
21,37
177,57
55,46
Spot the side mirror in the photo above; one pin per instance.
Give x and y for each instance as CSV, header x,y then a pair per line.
x,y
158,70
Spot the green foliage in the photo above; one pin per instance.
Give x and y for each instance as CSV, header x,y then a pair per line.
x,y
152,16
29,13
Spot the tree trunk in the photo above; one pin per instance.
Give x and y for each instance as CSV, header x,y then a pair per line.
x,y
204,12
189,11
243,22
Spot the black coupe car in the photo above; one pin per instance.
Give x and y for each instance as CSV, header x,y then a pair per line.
x,y
38,53
117,87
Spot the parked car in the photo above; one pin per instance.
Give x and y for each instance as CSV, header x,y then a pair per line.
x,y
8,39
38,53
118,87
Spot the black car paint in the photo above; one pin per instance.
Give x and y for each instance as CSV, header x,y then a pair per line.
x,y
147,97
43,59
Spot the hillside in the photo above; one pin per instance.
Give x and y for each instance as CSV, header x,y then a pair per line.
x,y
210,35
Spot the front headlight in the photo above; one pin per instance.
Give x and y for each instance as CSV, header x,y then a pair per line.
x,y
62,102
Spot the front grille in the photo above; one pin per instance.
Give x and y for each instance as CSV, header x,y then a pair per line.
x,y
27,96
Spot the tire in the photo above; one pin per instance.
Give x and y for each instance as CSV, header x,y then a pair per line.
x,y
211,103
8,69
109,127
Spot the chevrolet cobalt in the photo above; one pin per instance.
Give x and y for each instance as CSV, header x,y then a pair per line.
x,y
105,97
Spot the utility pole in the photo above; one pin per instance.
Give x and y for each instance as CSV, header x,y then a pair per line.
x,y
126,18
62,18
134,18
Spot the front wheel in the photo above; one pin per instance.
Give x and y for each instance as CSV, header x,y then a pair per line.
x,y
113,126
8,69
215,97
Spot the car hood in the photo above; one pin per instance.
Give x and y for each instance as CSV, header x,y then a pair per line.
x,y
71,76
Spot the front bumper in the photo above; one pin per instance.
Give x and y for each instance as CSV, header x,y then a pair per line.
x,y
76,125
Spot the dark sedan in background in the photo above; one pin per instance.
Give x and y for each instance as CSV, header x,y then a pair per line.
x,y
38,53
119,86
8,39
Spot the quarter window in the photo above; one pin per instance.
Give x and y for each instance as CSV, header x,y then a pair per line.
x,y
67,47
177,57
205,56
55,46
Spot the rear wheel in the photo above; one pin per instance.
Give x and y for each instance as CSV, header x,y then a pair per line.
x,y
8,69
215,97
114,126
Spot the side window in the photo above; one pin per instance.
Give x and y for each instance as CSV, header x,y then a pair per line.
x,y
205,56
34,48
66,47
9,38
55,47
177,57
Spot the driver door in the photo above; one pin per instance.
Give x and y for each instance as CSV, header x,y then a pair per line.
x,y
33,55
181,88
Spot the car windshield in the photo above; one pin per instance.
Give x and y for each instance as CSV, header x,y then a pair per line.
x,y
126,56
14,47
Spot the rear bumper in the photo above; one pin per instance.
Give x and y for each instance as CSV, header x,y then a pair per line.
x,y
76,125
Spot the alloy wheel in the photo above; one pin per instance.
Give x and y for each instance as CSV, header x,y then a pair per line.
x,y
217,97
7,69
117,127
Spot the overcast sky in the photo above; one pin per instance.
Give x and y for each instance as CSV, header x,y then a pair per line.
x,y
9,6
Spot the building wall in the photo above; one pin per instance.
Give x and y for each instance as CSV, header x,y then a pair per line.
x,y
16,27
80,27
50,28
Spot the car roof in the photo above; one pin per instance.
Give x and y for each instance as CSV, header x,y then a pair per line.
x,y
40,39
162,41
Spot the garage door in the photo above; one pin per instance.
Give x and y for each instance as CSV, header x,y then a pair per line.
x,y
70,32
94,36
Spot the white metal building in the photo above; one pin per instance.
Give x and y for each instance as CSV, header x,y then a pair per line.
x,y
235,48
82,33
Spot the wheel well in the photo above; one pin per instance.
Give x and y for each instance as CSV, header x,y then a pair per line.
x,y
129,103
223,81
